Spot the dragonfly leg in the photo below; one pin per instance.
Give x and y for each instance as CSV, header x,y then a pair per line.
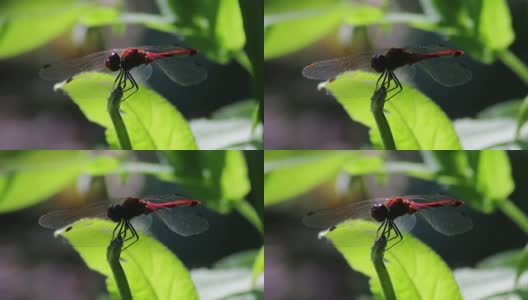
x,y
379,78
135,236
134,86
118,229
398,235
398,86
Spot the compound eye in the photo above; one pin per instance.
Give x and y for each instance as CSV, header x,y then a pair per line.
x,y
113,62
379,212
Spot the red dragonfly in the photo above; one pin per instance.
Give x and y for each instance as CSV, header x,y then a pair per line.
x,y
177,212
439,211
440,63
176,62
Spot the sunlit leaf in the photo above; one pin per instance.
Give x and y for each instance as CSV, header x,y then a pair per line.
x,y
416,122
46,172
142,262
291,173
152,122
415,270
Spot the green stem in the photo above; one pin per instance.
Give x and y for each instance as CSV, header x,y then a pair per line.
x,y
515,64
376,107
112,256
376,255
112,106
515,214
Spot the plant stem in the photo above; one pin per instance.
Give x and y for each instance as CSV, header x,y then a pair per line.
x,y
113,252
112,106
515,64
376,255
376,107
515,214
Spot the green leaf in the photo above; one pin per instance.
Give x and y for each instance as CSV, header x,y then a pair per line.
x,y
497,133
214,27
32,176
258,266
243,259
493,177
249,212
26,24
218,178
102,165
291,173
522,266
495,24
484,178
506,109
522,117
229,30
143,261
292,25
229,128
416,122
408,263
152,122
288,32
481,28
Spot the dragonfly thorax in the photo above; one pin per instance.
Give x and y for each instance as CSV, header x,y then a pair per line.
x,y
131,207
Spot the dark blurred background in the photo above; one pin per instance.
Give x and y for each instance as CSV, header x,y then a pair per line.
x,y
298,116
300,266
33,116
35,265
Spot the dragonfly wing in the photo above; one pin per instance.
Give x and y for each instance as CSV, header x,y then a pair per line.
x,y
62,218
327,218
184,220
406,222
142,222
67,69
141,73
447,70
330,69
447,220
183,70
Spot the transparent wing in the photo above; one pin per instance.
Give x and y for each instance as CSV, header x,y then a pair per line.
x,y
183,70
447,220
446,70
141,73
330,69
67,69
184,220
326,218
62,218
406,222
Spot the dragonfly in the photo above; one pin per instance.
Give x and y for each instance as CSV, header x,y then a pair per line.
x,y
179,213
441,212
178,63
438,62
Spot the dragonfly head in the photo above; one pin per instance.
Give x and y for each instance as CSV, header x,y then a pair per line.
x,y
379,212
378,63
113,62
115,212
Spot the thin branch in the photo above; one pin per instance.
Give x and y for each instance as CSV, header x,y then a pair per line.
x,y
113,252
377,102
112,106
376,255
